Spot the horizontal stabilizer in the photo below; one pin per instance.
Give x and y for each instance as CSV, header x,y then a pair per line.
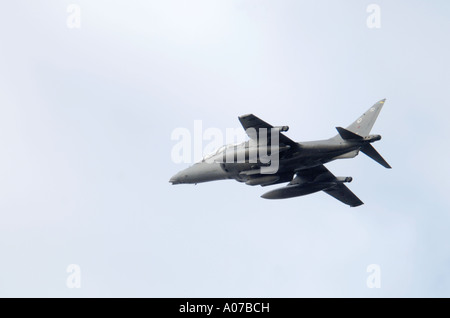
x,y
370,151
347,134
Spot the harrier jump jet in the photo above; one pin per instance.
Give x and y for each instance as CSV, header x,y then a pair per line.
x,y
299,163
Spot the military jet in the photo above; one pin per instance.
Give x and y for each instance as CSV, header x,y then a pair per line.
x,y
299,163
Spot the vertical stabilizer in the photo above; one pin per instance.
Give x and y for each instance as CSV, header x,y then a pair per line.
x,y
363,125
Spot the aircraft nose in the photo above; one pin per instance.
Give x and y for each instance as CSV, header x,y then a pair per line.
x,y
199,172
176,178
184,176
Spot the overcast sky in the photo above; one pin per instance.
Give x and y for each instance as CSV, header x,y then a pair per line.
x,y
86,117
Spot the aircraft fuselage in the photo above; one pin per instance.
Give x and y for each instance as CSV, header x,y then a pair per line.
x,y
306,155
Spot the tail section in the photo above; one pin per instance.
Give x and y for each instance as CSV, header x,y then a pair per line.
x,y
363,125
360,129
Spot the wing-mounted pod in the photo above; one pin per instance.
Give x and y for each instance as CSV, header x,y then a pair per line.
x,y
344,179
282,128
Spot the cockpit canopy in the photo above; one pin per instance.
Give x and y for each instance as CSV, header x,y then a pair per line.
x,y
220,151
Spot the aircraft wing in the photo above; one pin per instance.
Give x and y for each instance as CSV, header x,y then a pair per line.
x,y
251,121
320,174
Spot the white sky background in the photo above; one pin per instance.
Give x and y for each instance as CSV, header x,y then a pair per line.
x,y
86,117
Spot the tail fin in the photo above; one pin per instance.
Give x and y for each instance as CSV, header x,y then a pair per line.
x,y
370,151
361,128
364,124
